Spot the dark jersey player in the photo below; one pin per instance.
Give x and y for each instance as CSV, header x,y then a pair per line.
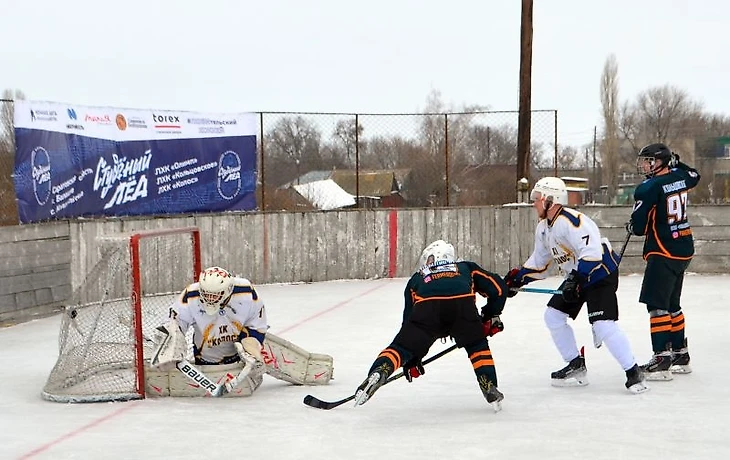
x,y
440,301
660,214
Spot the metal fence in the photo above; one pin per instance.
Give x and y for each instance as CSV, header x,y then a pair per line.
x,y
384,160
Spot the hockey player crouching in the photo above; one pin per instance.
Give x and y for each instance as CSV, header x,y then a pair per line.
x,y
231,347
440,301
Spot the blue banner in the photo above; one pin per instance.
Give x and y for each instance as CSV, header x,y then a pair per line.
x,y
177,169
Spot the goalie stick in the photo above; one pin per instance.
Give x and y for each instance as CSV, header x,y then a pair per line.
x,y
196,375
214,389
317,403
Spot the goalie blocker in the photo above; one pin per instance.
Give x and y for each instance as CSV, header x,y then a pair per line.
x,y
282,359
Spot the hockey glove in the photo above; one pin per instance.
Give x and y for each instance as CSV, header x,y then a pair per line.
x,y
630,227
573,286
673,160
413,369
493,326
513,282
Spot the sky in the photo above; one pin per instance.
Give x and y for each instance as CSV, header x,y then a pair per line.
x,y
441,415
380,56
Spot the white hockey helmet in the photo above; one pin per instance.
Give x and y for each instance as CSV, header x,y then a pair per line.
x,y
438,251
216,286
552,188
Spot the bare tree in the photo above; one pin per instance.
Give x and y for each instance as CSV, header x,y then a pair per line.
x,y
664,114
8,210
349,136
610,105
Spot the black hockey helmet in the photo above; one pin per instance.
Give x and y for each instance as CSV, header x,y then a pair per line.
x,y
657,156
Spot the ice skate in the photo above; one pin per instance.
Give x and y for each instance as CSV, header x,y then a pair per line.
x,y
657,368
493,396
572,375
375,380
635,380
680,360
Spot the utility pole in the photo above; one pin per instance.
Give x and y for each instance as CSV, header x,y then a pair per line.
x,y
595,186
524,118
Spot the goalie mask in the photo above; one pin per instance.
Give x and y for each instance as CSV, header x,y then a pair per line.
x,y
438,251
215,286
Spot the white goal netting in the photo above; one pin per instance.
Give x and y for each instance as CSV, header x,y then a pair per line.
x,y
106,331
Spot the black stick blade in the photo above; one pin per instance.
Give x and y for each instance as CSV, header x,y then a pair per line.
x,y
311,401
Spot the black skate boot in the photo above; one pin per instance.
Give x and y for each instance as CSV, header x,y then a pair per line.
x,y
572,375
493,396
375,380
680,360
635,380
658,367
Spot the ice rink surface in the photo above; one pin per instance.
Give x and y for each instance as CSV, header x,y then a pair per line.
x,y
441,415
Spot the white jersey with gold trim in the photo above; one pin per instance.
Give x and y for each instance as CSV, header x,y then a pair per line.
x,y
571,240
244,315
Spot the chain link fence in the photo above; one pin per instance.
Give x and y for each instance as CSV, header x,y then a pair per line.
x,y
396,160
381,160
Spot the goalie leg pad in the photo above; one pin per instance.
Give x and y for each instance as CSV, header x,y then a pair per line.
x,y
173,383
290,363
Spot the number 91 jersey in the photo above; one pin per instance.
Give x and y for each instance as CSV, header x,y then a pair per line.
x,y
660,213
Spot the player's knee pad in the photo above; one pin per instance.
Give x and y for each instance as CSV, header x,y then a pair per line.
x,y
654,312
604,329
555,318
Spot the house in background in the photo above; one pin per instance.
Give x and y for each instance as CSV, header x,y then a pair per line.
x,y
577,188
325,195
376,188
379,188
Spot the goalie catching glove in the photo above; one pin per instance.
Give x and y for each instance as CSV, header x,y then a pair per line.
x,y
170,346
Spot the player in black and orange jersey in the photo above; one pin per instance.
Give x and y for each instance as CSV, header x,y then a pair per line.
x,y
440,301
660,213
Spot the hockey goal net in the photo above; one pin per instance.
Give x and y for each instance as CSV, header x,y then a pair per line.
x,y
106,331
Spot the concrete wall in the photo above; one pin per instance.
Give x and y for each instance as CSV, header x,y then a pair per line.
x,y
40,263
35,269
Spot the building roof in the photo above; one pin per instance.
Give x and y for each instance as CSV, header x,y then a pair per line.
x,y
308,177
371,183
325,194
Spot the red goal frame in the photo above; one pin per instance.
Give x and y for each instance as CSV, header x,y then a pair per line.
x,y
136,294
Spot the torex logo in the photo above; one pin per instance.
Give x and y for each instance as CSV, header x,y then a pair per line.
x,y
166,121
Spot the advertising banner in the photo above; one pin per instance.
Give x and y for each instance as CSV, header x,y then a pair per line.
x,y
74,161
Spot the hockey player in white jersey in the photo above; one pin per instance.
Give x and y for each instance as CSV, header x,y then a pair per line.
x,y
230,326
590,267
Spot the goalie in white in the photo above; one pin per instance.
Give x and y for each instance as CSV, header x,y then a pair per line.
x,y
229,333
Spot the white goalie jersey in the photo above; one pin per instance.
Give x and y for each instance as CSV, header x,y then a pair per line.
x,y
243,316
214,346
573,241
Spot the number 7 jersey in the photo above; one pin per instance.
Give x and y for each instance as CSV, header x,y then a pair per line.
x,y
660,213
